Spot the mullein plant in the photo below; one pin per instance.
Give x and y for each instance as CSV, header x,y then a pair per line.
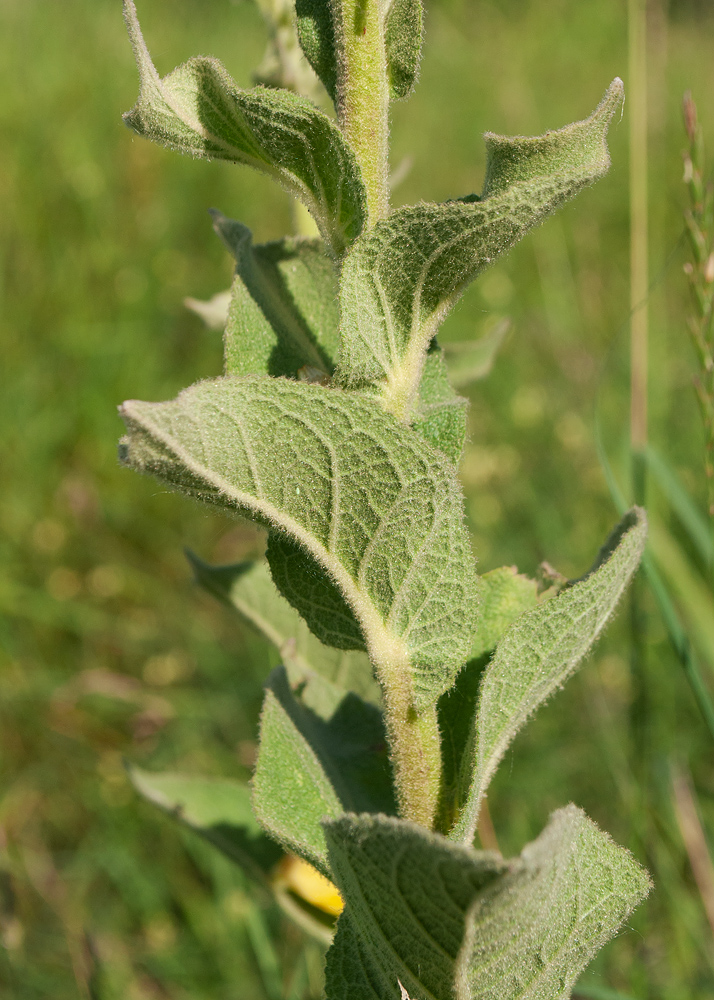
x,y
405,675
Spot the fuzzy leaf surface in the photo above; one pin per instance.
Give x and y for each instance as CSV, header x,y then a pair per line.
x,y
536,656
199,110
321,753
506,594
440,415
249,588
283,313
370,505
401,277
316,33
449,923
403,32
456,709
216,808
311,592
533,932
408,894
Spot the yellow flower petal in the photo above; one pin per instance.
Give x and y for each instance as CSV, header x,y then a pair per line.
x,y
300,877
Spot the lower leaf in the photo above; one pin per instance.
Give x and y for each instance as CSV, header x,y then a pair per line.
x,y
439,921
321,752
532,933
216,808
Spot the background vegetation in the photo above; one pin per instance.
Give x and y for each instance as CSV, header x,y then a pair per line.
x,y
108,650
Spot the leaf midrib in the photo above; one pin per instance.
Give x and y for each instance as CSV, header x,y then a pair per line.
x,y
381,641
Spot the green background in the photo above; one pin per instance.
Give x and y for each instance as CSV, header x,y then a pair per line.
x,y
107,650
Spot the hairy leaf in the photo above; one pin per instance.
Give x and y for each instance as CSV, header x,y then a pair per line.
x,y
321,753
316,32
197,109
456,710
402,276
536,656
313,594
370,505
449,923
506,594
283,313
440,415
534,931
249,589
216,808
408,893
403,31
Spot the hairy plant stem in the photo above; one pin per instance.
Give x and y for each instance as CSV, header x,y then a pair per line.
x,y
363,95
415,746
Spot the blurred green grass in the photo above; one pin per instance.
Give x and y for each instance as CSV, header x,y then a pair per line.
x,y
106,648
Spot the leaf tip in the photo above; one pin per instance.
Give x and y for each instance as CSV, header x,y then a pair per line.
x,y
614,98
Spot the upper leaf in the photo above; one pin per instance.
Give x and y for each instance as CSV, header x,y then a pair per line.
x,y
321,753
283,313
316,32
370,505
197,109
506,594
320,601
449,923
401,277
403,33
219,810
536,656
249,589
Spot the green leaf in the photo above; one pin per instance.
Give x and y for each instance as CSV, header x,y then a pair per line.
x,y
456,722
401,277
197,109
536,656
472,360
535,930
506,594
218,809
440,415
371,506
321,753
283,313
309,589
249,589
443,922
408,893
403,33
316,32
